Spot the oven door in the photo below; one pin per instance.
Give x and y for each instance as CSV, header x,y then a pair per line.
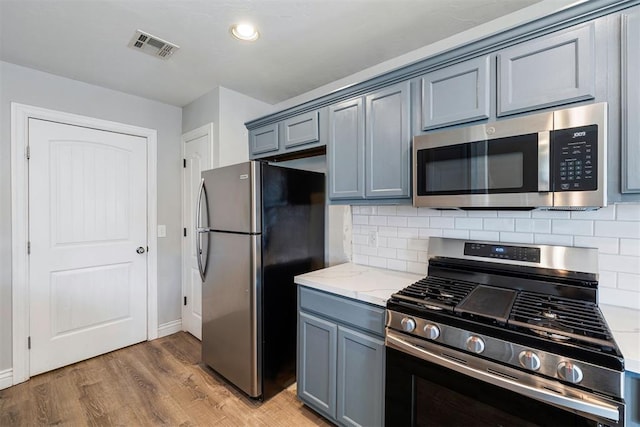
x,y
505,164
429,385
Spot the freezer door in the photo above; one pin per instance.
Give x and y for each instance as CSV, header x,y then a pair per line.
x,y
230,310
234,197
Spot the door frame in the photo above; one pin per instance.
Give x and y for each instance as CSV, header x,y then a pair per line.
x,y
205,130
20,115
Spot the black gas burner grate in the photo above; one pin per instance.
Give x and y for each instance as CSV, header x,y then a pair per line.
x,y
435,293
560,319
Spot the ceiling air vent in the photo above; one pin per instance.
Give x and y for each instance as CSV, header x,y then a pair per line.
x,y
152,45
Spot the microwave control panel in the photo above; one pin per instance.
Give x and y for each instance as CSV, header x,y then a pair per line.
x,y
575,158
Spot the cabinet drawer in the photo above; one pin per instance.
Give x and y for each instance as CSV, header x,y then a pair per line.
x,y
367,317
302,129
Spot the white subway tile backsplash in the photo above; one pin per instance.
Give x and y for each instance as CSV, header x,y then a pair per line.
x,y
628,212
499,224
406,211
407,255
605,245
630,247
516,237
397,221
607,279
404,232
619,263
456,234
418,222
627,229
409,233
360,219
628,281
485,235
441,222
533,225
468,223
573,227
387,210
552,239
398,243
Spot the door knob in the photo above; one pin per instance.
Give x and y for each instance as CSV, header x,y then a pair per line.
x,y
140,250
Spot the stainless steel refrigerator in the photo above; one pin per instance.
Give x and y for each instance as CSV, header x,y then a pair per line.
x,y
258,226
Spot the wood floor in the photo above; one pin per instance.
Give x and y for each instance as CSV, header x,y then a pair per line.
x,y
160,382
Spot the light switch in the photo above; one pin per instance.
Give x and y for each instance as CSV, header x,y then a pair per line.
x,y
162,230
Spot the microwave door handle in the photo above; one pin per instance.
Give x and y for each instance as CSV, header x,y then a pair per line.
x,y
199,230
544,161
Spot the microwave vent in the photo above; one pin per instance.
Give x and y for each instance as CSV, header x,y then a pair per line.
x,y
152,45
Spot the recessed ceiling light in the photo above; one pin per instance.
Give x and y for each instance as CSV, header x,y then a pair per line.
x,y
244,31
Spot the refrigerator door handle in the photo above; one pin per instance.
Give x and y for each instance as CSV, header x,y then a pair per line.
x,y
199,230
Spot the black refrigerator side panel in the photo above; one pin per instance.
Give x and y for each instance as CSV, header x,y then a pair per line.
x,y
293,207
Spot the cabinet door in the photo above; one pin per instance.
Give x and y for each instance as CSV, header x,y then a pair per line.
x,y
360,379
456,94
551,70
345,150
388,143
630,110
317,356
301,129
264,139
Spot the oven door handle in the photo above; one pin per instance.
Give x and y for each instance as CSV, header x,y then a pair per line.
x,y
600,409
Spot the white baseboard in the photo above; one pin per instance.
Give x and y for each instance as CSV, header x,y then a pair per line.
x,y
169,328
6,378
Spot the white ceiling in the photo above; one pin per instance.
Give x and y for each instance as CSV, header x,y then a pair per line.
x,y
304,44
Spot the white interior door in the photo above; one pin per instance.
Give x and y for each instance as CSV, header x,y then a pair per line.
x,y
197,155
87,219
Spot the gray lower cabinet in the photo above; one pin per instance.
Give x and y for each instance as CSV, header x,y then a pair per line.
x,y
630,100
341,358
456,94
368,150
547,71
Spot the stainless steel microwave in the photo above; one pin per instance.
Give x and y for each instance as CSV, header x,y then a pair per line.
x,y
551,160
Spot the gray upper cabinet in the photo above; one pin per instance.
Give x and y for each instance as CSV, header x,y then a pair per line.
x,y
264,139
547,71
456,94
300,130
345,150
630,111
388,142
369,146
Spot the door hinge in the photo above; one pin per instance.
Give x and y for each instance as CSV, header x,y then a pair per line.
x,y
28,343
184,231
185,300
28,152
184,163
28,248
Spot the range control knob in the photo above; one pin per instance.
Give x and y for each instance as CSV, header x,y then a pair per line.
x,y
530,360
408,324
431,331
570,372
475,344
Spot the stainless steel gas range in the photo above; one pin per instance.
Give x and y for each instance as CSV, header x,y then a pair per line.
x,y
502,335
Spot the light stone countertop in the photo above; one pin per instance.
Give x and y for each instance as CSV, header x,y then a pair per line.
x,y
375,286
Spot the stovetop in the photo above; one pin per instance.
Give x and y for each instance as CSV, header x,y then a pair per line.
x,y
530,303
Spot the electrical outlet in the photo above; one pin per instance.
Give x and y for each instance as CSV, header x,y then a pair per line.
x,y
373,239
